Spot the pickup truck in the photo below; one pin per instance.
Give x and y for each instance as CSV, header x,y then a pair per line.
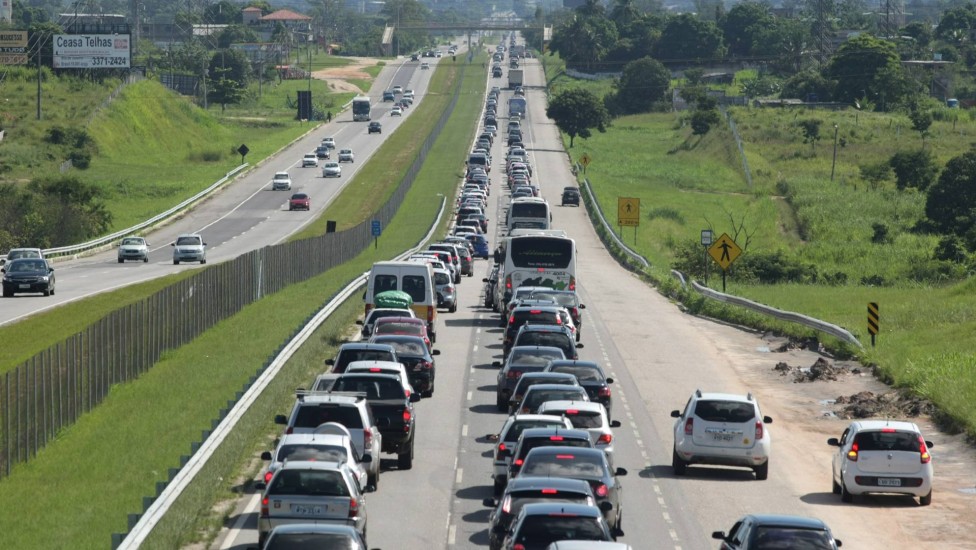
x,y
392,409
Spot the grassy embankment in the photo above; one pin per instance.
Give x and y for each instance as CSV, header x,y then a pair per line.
x,y
687,184
155,149
128,444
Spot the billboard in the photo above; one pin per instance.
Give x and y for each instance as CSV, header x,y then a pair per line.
x,y
91,51
13,47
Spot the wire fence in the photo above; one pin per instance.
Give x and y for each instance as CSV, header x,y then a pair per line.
x,y
52,389
738,143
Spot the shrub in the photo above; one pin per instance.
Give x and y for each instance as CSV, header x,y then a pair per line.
x,y
881,234
951,249
915,169
702,121
773,268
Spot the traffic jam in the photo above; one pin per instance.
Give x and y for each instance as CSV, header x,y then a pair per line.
x,y
554,479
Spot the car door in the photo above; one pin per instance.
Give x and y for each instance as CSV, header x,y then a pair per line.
x,y
841,454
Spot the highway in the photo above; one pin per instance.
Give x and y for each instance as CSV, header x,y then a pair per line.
x,y
658,356
245,214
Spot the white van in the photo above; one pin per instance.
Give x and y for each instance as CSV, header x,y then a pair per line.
x,y
414,278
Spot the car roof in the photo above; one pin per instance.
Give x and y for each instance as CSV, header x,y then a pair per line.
x,y
594,406
547,508
312,465
371,364
308,438
317,528
537,482
783,520
880,424
588,545
547,375
553,387
538,348
726,397
401,338
365,345
575,363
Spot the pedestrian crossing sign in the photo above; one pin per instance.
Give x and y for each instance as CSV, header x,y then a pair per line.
x,y
724,251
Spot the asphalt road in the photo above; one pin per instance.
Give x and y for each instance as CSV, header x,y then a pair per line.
x,y
658,356
245,214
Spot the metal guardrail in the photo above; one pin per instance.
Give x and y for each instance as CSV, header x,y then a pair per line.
x,y
107,239
158,509
833,330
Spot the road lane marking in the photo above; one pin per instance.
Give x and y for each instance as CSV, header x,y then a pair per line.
x,y
470,395
464,431
452,535
458,476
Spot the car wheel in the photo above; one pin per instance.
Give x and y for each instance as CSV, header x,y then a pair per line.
x,y
500,403
176,262
145,260
8,293
762,472
121,261
429,392
498,487
454,308
925,500
845,496
203,262
405,460
46,293
835,487
679,464
373,479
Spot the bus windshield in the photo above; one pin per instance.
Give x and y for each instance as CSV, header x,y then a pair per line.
x,y
541,252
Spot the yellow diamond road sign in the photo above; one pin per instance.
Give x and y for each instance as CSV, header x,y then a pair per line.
x,y
724,251
584,160
628,211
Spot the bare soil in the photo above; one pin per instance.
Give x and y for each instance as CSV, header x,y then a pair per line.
x,y
337,77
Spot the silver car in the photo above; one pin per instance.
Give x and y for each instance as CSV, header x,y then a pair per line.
x,y
331,443
133,248
446,292
189,247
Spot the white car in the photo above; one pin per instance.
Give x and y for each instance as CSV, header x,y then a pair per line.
x,y
383,367
408,93
346,155
396,111
329,142
425,66
586,415
17,253
331,170
721,428
133,248
882,456
310,159
398,89
281,182
331,443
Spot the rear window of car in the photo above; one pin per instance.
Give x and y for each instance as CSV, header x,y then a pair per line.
x,y
312,415
309,483
773,538
399,328
374,388
584,419
554,339
534,399
320,453
407,348
533,357
566,464
540,530
540,317
887,441
583,374
441,279
348,356
519,426
724,411
383,283
416,287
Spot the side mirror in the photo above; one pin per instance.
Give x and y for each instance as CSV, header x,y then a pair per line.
x,y
929,444
281,419
435,352
839,543
496,363
579,346
260,486
605,506
50,269
172,244
266,455
582,306
833,442
620,472
414,397
614,423
492,437
720,535
609,380
768,419
489,503
485,280
366,459
359,322
330,362
675,414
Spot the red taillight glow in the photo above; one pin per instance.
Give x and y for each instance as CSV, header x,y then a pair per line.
x,y
887,430
759,430
923,450
519,462
426,364
605,439
406,418
689,426
565,457
508,282
430,317
511,319
534,311
602,491
264,507
513,374
852,454
555,438
572,282
572,411
507,505
518,547
267,476
374,369
550,492
353,507
604,392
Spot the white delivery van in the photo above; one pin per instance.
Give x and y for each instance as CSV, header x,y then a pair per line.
x,y
414,278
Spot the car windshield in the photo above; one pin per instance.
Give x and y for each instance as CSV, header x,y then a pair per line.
x,y
712,410
790,538
888,441
28,265
132,240
540,530
566,464
408,348
14,254
188,241
320,453
309,483
374,388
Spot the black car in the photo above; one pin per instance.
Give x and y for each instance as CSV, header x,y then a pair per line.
x,y
571,195
539,525
532,490
532,378
558,336
518,362
392,409
375,128
588,464
534,313
414,57
27,275
591,377
766,530
533,438
416,358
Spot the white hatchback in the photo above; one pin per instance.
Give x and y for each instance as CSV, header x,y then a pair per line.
x,y
723,429
882,456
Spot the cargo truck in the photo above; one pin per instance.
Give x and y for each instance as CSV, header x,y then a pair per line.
x,y
514,78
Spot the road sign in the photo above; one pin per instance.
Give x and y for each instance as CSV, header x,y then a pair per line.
x,y
377,228
724,251
706,237
628,211
584,160
873,320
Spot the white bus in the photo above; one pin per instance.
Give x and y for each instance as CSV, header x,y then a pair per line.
x,y
360,109
528,213
542,258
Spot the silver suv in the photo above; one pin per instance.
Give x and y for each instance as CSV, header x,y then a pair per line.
x,y
189,247
721,428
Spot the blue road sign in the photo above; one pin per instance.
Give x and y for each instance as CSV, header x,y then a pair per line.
x,y
377,228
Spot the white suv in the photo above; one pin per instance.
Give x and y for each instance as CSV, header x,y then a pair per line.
x,y
724,429
882,456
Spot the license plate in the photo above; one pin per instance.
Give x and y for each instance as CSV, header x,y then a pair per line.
x,y
305,510
723,437
889,482
24,286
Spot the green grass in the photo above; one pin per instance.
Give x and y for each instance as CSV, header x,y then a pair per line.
x,y
207,372
688,183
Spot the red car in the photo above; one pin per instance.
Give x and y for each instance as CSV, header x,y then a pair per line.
x,y
402,326
299,201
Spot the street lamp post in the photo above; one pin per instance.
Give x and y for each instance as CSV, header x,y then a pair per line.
x,y
834,163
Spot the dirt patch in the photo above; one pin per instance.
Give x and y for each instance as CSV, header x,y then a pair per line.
x,y
337,78
893,404
821,370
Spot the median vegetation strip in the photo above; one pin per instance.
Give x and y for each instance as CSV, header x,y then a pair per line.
x,y
828,247
123,448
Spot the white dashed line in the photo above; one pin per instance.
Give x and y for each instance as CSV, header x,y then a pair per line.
x,y
470,395
464,431
452,535
476,348
458,476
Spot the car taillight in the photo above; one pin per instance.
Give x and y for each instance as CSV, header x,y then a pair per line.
x,y
513,374
406,394
759,430
572,282
602,491
574,312
430,318
518,462
689,426
508,282
367,440
499,450
289,430
924,451
267,476
426,364
605,439
518,547
353,507
507,505
406,420
556,438
448,290
264,507
550,492
604,392
511,320
852,454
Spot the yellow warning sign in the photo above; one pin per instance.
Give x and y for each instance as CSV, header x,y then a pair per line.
x,y
628,211
724,251
584,160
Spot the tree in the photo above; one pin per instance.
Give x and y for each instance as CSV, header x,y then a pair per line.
x,y
687,38
811,131
914,169
642,83
231,64
223,12
951,203
921,121
956,24
226,90
584,42
867,66
807,84
235,34
576,111
702,120
743,24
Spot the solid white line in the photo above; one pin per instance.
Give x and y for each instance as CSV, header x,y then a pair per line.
x,y
238,527
458,476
